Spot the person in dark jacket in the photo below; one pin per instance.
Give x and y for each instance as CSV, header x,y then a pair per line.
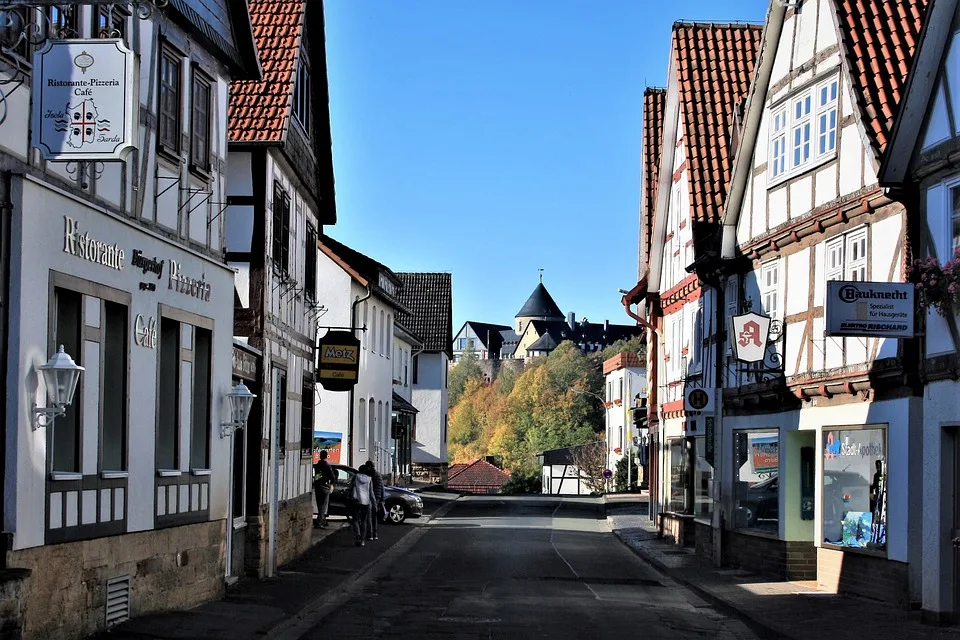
x,y
376,508
323,481
360,493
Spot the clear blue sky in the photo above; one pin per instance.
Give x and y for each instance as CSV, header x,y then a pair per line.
x,y
497,137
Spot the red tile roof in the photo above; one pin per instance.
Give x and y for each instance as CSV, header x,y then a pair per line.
x,y
879,38
259,111
714,65
654,101
478,477
456,468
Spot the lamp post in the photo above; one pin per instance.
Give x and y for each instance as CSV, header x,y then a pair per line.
x,y
60,377
240,400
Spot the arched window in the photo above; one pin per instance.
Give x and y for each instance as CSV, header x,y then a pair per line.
x,y
380,438
363,336
371,426
361,416
373,331
383,332
389,334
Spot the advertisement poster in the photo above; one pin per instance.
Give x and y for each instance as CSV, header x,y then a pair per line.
x,y
328,441
764,453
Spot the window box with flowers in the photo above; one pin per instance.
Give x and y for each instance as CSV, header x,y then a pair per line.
x,y
938,286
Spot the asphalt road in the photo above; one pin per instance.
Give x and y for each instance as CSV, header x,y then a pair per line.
x,y
519,568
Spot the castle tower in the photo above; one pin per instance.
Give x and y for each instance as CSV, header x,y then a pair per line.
x,y
539,306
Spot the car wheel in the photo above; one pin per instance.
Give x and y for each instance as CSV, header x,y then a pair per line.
x,y
396,514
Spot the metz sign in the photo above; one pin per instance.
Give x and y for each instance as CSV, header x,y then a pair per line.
x,y
339,362
83,100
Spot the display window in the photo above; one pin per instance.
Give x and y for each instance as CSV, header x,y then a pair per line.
x,y
702,477
756,485
855,488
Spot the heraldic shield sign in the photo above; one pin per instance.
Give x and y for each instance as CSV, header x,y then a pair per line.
x,y
749,334
339,361
83,100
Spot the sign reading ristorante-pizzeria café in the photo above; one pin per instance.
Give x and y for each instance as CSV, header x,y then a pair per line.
x,y
83,100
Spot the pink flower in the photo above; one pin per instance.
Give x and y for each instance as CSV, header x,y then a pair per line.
x,y
952,288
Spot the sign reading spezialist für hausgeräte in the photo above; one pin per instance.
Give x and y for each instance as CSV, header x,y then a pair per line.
x,y
83,100
339,361
878,309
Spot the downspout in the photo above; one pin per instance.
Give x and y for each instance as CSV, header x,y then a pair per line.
x,y
353,329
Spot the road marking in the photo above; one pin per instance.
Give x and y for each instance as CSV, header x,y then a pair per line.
x,y
553,544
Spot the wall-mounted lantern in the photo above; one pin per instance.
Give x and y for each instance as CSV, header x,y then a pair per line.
x,y
241,400
60,376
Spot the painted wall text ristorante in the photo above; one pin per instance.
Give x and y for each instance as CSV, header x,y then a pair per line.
x,y
86,248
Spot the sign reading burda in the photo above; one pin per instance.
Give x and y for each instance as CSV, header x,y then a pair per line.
x,y
878,309
83,100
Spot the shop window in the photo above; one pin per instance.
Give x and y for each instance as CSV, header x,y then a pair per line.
x,y
855,488
200,420
168,390
65,440
702,478
113,430
361,432
168,135
306,418
310,264
677,486
200,122
281,228
280,410
756,488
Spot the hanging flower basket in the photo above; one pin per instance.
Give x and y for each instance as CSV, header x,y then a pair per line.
x,y
938,286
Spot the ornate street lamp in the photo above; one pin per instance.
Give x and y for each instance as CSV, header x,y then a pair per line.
x,y
241,400
60,377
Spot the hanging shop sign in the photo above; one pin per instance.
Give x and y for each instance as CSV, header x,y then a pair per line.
x,y
339,362
875,309
83,100
244,364
749,333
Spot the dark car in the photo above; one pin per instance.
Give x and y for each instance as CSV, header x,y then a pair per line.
x,y
400,503
759,503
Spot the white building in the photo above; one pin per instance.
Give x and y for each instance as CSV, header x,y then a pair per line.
x,y
362,293
625,388
121,263
280,193
406,347
428,300
921,169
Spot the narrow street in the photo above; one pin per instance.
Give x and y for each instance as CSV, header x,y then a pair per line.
x,y
518,568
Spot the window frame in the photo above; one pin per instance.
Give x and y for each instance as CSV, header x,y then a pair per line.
x,y
280,216
120,16
201,153
310,263
302,94
771,290
734,474
794,137
362,420
307,396
840,245
170,145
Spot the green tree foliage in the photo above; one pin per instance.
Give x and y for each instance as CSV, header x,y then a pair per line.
x,y
462,373
620,472
523,482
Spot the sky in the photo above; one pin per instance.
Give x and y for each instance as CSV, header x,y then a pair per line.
x,y
494,138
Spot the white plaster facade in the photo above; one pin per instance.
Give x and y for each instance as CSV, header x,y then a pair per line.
x,y
430,397
621,387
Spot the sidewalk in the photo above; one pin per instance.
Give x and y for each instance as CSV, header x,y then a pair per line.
x,y
255,609
790,610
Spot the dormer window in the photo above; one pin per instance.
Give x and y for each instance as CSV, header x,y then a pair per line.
x,y
301,91
803,130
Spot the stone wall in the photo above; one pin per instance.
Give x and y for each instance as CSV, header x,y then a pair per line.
x,y
492,368
294,534
11,602
782,559
852,573
431,472
174,568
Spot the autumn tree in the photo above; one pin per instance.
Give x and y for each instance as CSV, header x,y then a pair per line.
x,y
468,368
591,460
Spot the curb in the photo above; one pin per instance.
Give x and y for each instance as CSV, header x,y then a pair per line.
x,y
295,625
761,629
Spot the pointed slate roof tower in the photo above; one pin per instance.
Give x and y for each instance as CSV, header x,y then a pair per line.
x,y
539,306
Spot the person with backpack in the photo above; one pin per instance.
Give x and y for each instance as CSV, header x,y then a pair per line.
x,y
360,492
323,481
377,506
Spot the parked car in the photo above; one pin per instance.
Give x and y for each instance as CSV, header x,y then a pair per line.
x,y
400,503
760,502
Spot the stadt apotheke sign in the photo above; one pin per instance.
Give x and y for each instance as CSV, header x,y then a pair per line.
x,y
83,100
876,309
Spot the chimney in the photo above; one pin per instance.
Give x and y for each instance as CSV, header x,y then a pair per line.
x,y
572,321
492,460
606,326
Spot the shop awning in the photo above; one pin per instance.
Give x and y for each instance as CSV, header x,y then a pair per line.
x,y
402,406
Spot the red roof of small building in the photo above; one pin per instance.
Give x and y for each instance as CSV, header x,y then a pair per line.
x,y
714,65
259,111
478,476
621,361
879,38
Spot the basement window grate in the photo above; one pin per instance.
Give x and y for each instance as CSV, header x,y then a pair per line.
x,y
118,600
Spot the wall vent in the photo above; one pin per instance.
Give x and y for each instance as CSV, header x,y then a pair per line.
x,y
118,600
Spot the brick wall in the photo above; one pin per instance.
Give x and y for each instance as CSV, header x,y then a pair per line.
x,y
294,534
64,597
782,559
703,540
852,573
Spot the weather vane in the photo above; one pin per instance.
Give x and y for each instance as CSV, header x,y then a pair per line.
x,y
541,275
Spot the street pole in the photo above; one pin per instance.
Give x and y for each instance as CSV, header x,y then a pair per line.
x,y
628,424
275,489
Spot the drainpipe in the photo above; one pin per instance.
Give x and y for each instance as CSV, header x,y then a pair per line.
x,y
353,329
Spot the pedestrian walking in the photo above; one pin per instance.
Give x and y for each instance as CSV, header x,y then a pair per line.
x,y
360,491
323,482
377,507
